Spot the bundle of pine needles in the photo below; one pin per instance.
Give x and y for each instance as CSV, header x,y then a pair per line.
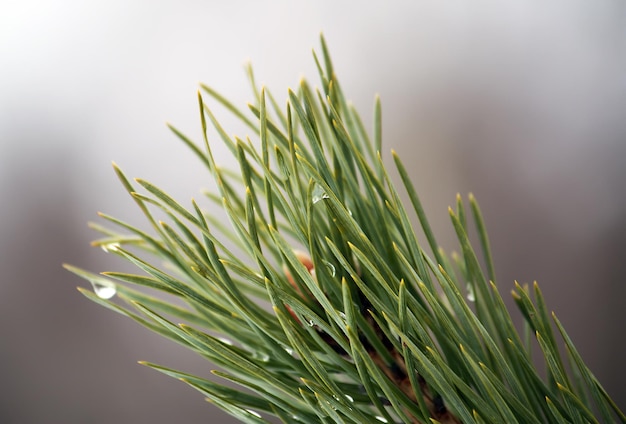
x,y
318,301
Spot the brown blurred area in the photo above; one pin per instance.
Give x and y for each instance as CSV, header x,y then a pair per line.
x,y
521,104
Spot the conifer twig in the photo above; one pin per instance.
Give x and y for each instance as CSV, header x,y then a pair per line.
x,y
318,301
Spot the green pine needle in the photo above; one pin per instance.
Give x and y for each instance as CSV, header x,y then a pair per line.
x,y
318,301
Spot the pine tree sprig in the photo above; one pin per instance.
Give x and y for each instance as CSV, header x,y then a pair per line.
x,y
317,301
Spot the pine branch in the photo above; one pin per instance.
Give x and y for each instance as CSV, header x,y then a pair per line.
x,y
366,324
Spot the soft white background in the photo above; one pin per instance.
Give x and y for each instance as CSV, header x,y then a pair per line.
x,y
521,102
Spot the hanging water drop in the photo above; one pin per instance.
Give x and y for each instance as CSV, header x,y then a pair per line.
x,y
104,289
261,356
470,293
251,412
310,323
226,341
331,268
110,247
318,194
382,419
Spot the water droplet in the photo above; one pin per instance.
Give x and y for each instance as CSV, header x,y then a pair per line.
x,y
251,412
110,247
261,356
288,350
382,419
310,323
104,289
334,408
471,296
318,194
225,341
331,268
350,398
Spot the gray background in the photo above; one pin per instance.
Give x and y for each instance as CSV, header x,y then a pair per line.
x,y
521,103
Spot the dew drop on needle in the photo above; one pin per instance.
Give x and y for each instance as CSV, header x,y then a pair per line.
x,y
331,268
470,293
318,194
104,289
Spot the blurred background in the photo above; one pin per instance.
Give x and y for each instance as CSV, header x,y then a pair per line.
x,y
521,102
